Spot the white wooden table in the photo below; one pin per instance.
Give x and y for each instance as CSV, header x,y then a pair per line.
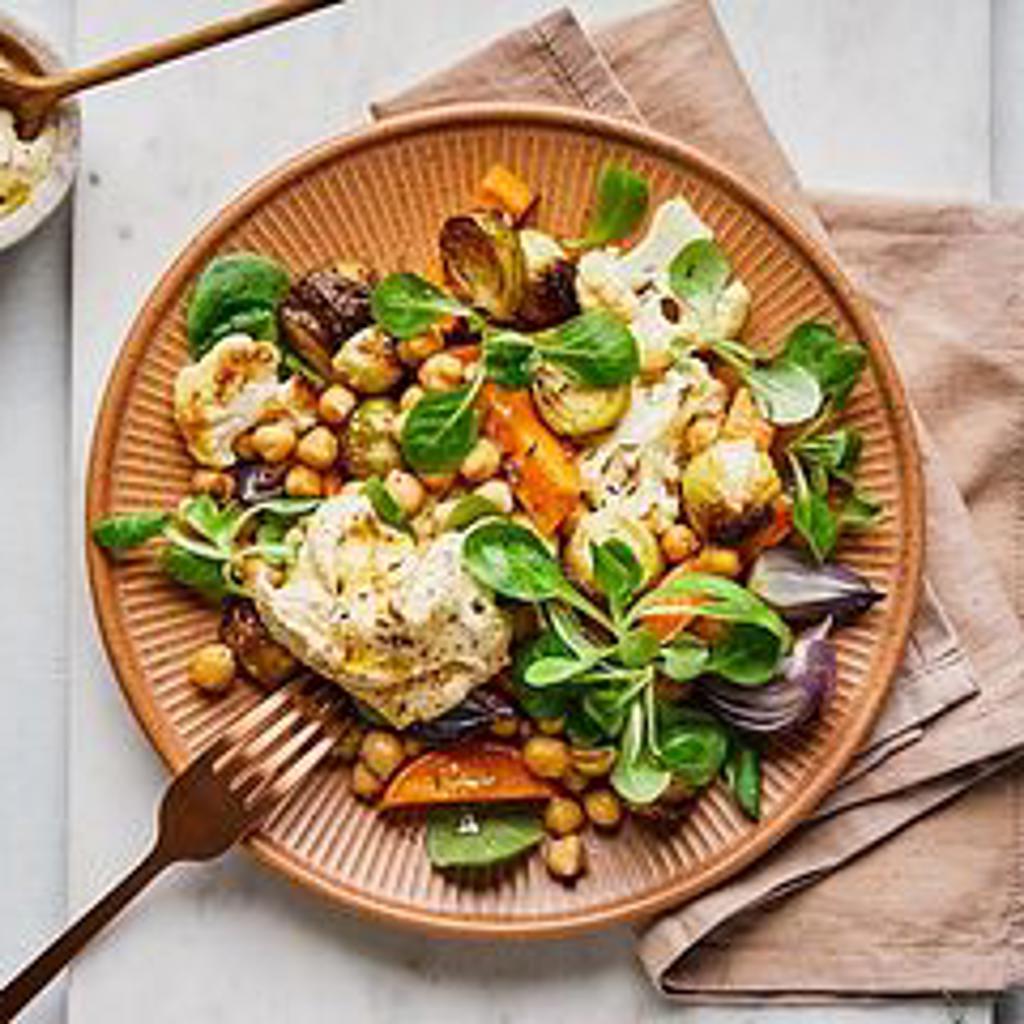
x,y
912,96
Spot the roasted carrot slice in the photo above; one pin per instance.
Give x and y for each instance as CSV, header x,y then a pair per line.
x,y
478,772
504,189
544,475
710,559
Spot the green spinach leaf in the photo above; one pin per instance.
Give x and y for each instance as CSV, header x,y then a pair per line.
x,y
440,430
684,659
785,392
229,286
201,574
469,509
617,573
742,773
637,777
118,533
699,274
836,364
621,202
748,655
813,518
473,837
691,744
513,561
387,509
596,348
406,304
510,359
638,648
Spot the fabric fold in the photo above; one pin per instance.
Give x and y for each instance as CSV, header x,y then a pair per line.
x,y
956,716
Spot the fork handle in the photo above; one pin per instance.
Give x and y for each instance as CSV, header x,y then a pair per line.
x,y
44,968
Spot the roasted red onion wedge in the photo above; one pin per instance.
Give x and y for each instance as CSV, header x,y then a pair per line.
x,y
802,591
807,680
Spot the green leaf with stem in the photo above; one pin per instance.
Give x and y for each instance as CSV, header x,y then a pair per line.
x,y
388,510
406,304
118,533
620,204
837,365
441,429
813,518
742,773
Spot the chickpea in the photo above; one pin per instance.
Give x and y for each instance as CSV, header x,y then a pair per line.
x,y
244,448
505,727
318,449
274,442
603,808
365,784
437,483
336,405
382,752
718,561
482,462
218,485
551,726
564,857
333,482
678,543
441,372
547,757
412,747
499,494
407,491
367,362
415,350
593,762
303,482
702,432
347,748
212,668
410,396
563,815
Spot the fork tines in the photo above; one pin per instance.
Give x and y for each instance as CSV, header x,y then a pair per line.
x,y
268,750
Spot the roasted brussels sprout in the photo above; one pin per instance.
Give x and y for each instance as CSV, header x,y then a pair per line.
x,y
484,263
321,310
368,445
728,489
549,296
264,660
597,527
570,409
368,362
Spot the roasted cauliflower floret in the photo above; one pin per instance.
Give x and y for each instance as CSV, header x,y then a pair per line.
x,y
728,490
600,284
231,389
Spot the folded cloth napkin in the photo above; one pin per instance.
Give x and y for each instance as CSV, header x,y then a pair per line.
x,y
945,280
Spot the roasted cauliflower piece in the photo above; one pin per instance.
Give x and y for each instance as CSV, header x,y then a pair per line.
x,y
728,490
231,389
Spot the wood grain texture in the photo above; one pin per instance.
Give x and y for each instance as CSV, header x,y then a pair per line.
x,y
381,195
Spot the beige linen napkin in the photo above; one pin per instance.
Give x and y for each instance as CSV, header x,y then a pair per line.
x,y
672,68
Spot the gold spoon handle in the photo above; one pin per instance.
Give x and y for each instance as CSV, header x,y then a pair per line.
x,y
76,79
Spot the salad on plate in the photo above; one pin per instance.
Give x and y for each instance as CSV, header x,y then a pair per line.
x,y
564,543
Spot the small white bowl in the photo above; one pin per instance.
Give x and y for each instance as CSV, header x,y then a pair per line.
x,y
22,46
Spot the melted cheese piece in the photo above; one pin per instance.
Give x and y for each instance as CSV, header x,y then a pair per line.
x,y
401,626
231,389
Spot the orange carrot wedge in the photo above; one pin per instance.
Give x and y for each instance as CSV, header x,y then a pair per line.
x,y
476,772
546,478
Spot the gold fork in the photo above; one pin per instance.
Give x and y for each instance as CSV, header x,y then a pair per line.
x,y
218,799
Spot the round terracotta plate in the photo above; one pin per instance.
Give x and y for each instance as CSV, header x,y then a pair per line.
x,y
380,196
